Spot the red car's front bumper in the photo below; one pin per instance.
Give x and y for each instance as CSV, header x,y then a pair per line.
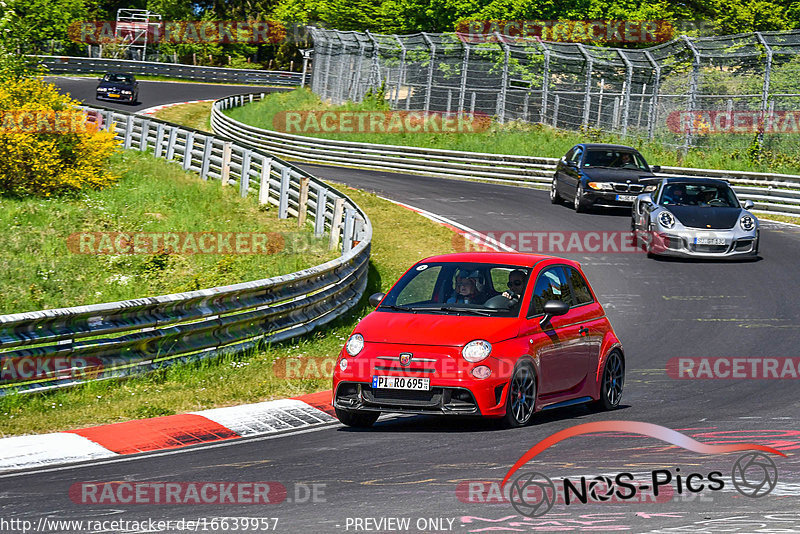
x,y
454,390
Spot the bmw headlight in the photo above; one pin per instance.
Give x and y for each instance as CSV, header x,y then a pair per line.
x,y
666,219
601,186
124,92
354,344
650,188
102,89
476,351
747,223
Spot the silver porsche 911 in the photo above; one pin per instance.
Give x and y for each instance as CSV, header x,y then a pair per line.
x,y
695,217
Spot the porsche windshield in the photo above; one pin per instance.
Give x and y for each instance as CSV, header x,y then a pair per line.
x,y
701,195
482,289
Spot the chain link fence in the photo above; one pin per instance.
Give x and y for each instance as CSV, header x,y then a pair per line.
x,y
654,93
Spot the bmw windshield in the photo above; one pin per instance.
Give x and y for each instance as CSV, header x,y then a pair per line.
x,y
481,289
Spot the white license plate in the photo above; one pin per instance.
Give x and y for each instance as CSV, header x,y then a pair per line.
x,y
709,241
401,382
626,198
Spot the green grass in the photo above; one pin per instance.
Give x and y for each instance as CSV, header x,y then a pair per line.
x,y
152,195
196,115
401,237
732,152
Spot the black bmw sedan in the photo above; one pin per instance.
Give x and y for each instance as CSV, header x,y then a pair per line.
x,y
114,86
600,175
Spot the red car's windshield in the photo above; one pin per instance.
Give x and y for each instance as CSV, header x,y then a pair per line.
x,y
460,288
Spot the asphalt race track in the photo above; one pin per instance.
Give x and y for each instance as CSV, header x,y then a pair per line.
x,y
411,467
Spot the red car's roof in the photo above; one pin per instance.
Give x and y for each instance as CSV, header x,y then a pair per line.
x,y
521,259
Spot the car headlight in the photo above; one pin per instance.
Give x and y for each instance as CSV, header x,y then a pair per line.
x,y
354,344
103,89
747,223
650,188
125,92
666,219
476,351
601,186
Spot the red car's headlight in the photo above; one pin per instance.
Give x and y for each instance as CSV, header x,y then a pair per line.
x,y
355,344
476,351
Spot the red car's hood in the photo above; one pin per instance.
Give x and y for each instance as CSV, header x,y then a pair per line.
x,y
435,329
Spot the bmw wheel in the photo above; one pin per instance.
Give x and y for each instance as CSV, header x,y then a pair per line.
x,y
613,382
357,419
555,198
521,398
578,205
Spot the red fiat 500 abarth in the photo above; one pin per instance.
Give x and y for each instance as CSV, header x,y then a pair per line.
x,y
498,335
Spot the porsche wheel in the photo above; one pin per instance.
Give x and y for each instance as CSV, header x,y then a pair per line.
x,y
521,398
357,419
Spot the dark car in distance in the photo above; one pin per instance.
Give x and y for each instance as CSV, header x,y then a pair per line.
x,y
592,174
120,87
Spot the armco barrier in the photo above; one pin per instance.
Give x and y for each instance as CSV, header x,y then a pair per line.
x,y
84,65
123,338
774,193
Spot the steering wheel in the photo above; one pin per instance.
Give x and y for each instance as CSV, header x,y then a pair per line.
x,y
717,202
499,302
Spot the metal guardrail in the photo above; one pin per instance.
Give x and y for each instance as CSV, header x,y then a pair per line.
x,y
773,193
123,338
83,65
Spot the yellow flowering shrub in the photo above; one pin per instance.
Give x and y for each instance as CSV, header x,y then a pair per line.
x,y
47,147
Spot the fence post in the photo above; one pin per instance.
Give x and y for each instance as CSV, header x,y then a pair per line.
x,y
336,223
340,80
525,103
283,200
431,66
145,133
626,96
587,97
374,79
263,189
187,152
347,234
555,111
244,181
615,117
225,169
600,102
464,66
472,103
501,98
319,212
302,202
765,88
327,69
208,146
693,88
652,118
355,93
402,74
545,82
173,137
449,100
128,131
159,140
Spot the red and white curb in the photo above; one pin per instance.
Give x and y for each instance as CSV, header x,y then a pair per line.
x,y
154,109
163,433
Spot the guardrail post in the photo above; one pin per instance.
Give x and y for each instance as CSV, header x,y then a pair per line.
x,y
283,201
263,189
336,223
302,202
347,237
244,182
144,134
159,140
173,135
319,212
128,132
431,66
207,148
187,152
225,169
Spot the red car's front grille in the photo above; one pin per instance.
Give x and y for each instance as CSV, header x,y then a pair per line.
x,y
425,366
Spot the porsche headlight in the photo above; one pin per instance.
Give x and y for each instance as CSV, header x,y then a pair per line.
x,y
354,344
666,219
476,351
747,223
601,186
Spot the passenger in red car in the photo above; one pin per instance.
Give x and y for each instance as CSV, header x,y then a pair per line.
x,y
468,290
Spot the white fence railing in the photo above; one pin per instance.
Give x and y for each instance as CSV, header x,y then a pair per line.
x,y
123,338
774,193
